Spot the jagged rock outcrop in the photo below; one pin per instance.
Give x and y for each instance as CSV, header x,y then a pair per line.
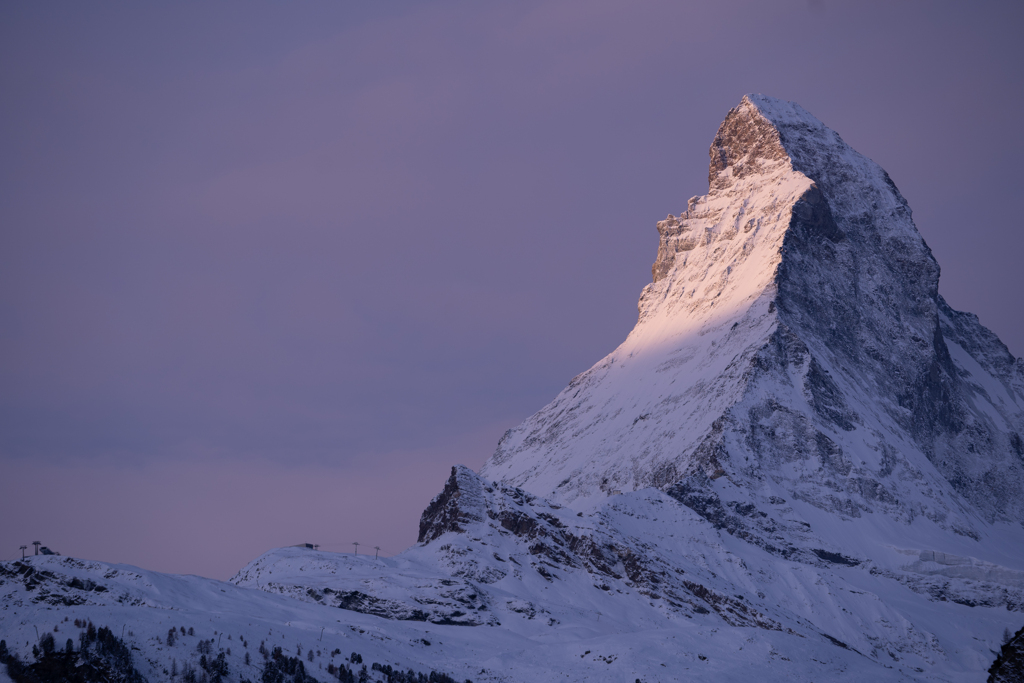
x,y
459,504
1009,664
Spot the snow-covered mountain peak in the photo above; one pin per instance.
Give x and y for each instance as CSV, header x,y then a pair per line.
x,y
794,340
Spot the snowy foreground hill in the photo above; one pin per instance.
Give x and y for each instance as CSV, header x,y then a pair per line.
x,y
801,465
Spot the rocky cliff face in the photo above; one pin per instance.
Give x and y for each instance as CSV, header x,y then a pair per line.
x,y
794,341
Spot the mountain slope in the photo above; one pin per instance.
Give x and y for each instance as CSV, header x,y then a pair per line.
x,y
794,340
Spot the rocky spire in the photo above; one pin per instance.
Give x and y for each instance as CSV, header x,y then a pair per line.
x,y
793,339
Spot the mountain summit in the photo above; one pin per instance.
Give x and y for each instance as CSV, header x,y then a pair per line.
x,y
794,342
801,465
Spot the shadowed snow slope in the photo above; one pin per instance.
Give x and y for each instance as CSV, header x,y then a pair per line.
x,y
795,342
801,465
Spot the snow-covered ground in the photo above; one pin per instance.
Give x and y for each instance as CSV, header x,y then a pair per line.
x,y
513,588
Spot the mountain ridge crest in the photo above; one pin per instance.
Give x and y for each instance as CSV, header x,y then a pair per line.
x,y
797,291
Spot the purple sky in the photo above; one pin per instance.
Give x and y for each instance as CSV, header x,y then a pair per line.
x,y
266,272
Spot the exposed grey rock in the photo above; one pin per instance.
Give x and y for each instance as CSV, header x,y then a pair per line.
x,y
1009,664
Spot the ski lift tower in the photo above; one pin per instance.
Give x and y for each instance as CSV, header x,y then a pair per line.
x,y
37,544
23,549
